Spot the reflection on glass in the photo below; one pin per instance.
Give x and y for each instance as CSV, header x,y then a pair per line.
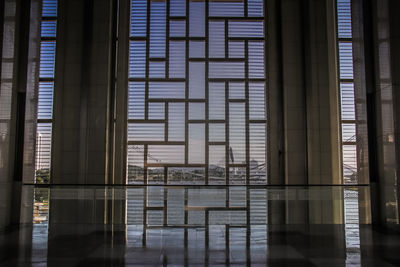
x,y
352,227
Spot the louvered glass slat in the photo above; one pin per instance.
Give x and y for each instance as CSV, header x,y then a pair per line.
x,y
157,69
237,133
136,103
226,8
217,101
177,54
156,111
47,59
236,49
346,60
196,144
155,175
45,100
344,18
216,166
349,163
146,132
256,60
197,111
177,28
347,101
166,90
217,39
245,28
49,8
49,28
196,80
226,70
157,28
190,176
348,132
197,21
137,59
257,153
43,152
236,90
255,8
166,154
177,7
197,49
135,162
176,121
216,132
257,101
138,18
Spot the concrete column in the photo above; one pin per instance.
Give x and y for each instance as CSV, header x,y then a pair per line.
x,y
310,103
322,93
8,17
82,92
18,20
294,108
384,113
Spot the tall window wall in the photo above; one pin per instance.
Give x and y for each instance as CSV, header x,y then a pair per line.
x,y
46,90
197,95
346,80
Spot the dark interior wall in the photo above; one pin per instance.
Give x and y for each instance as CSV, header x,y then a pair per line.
x,y
18,72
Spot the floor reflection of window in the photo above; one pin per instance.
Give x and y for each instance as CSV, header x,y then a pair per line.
x,y
197,95
211,225
352,227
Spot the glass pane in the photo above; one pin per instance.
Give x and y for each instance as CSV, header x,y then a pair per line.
x,y
196,143
136,104
138,18
217,101
43,153
45,101
177,28
226,8
197,18
157,28
237,133
344,18
49,8
217,39
47,59
137,59
197,80
216,167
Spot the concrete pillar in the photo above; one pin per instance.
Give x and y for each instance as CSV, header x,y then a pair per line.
x,y
294,108
304,64
322,93
82,92
383,111
18,72
8,17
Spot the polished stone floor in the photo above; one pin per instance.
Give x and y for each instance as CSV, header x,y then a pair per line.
x,y
198,226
